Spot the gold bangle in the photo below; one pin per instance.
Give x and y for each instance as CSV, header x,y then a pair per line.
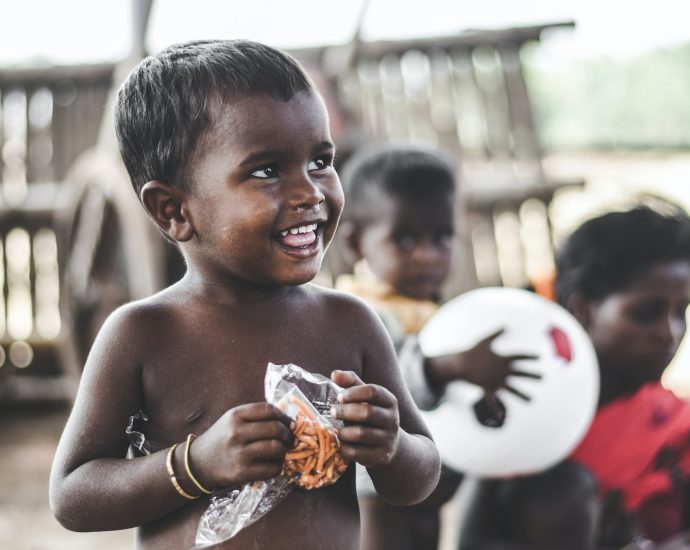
x,y
173,479
187,469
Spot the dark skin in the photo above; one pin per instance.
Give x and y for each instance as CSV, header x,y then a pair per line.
x,y
196,353
636,332
409,247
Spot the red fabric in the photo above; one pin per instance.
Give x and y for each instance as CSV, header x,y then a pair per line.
x,y
660,517
638,445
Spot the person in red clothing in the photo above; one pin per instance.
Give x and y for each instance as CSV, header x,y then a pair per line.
x,y
626,278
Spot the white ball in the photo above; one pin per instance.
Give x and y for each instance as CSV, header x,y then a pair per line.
x,y
535,434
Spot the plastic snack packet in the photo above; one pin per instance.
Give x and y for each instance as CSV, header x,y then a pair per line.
x,y
314,462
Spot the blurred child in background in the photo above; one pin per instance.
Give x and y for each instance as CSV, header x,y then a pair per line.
x,y
399,223
626,277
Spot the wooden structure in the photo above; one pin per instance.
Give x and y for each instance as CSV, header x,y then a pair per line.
x,y
47,118
68,214
466,94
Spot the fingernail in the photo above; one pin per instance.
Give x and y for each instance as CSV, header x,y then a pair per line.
x,y
293,425
333,412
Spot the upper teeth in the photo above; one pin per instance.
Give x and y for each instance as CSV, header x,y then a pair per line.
x,y
300,229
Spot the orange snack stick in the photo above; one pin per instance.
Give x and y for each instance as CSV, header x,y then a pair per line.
x,y
314,461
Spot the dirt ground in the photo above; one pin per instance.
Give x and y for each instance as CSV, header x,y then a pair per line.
x,y
28,438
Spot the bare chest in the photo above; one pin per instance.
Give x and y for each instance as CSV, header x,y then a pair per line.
x,y
199,370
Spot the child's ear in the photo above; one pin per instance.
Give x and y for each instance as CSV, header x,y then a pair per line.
x,y
352,238
579,306
166,205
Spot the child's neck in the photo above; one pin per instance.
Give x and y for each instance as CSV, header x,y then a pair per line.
x,y
231,292
612,389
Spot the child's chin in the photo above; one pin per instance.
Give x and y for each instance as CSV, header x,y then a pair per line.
x,y
304,276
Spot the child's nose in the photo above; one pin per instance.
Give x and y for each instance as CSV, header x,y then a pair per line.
x,y
305,194
425,252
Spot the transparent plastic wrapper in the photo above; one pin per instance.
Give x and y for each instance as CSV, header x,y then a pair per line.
x,y
140,445
314,462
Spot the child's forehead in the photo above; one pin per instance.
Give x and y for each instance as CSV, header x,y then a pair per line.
x,y
258,116
440,202
228,109
405,211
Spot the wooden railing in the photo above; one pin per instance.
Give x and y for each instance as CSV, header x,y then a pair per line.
x,y
47,118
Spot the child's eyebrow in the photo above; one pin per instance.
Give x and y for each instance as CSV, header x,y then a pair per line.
x,y
270,155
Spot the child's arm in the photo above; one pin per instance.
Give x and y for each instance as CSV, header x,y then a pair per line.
x,y
383,429
94,487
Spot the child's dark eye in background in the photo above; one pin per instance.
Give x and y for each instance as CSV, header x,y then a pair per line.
x,y
444,239
648,312
405,241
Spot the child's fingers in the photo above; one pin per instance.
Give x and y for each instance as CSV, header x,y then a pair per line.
x,y
362,435
255,412
366,455
521,357
517,392
368,393
491,337
262,470
346,378
365,413
264,430
524,374
266,450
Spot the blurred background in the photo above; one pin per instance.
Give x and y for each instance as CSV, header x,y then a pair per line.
x,y
555,111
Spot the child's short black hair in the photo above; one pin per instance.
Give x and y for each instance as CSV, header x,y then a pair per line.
x,y
605,253
168,101
394,169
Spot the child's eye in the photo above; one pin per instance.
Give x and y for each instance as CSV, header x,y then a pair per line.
x,y
267,172
321,163
405,242
444,239
648,312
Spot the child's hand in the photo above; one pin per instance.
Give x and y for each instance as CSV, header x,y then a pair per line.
x,y
247,443
481,366
370,435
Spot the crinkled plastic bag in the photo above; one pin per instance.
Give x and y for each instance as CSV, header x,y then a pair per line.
x,y
231,510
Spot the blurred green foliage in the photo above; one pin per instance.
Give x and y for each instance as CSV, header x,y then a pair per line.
x,y
607,103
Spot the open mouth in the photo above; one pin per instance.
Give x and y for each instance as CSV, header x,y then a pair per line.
x,y
302,240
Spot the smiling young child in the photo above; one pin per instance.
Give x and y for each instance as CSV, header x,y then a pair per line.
x,y
228,148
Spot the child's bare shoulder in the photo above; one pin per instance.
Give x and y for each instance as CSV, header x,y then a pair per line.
x,y
134,321
344,306
157,307
349,318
